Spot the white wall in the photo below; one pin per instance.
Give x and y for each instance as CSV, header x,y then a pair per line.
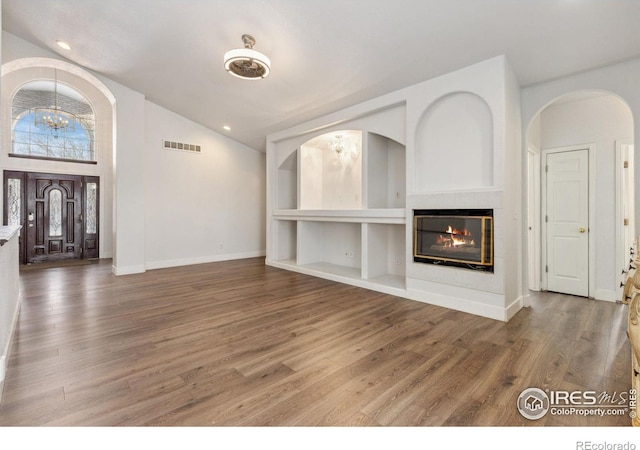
x,y
221,202
619,79
514,172
128,176
601,121
311,176
199,207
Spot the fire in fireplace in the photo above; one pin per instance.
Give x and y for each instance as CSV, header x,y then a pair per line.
x,y
454,237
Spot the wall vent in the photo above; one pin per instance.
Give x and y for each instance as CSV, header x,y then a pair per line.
x,y
171,145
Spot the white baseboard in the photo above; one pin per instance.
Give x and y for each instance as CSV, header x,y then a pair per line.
x,y
3,368
514,307
4,357
606,295
203,259
460,304
127,270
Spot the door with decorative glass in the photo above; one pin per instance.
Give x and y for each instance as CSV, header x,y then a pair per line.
x,y
58,213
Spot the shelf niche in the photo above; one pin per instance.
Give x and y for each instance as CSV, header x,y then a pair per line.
x,y
331,171
288,183
385,162
330,247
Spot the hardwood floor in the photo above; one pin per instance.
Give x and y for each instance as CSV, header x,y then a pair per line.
x,y
241,344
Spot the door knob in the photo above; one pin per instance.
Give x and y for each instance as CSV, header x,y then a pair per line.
x,y
581,230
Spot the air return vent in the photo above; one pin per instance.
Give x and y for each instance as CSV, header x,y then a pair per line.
x,y
171,145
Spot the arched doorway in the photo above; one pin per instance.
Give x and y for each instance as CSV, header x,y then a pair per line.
x,y
580,194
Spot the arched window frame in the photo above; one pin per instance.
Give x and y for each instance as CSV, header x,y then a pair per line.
x,y
57,146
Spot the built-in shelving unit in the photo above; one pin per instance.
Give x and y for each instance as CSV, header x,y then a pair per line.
x,y
341,215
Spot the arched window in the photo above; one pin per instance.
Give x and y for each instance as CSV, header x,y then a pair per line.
x,y
52,121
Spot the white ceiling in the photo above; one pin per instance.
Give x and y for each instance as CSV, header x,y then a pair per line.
x,y
325,55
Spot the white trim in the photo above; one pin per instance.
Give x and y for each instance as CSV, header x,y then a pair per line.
x,y
472,301
592,211
353,278
6,352
535,260
605,294
621,252
388,215
27,63
203,259
127,270
513,308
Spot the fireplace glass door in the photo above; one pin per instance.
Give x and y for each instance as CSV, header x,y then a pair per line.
x,y
461,238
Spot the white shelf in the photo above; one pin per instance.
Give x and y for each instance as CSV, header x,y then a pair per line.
x,y
388,284
342,219
392,281
387,215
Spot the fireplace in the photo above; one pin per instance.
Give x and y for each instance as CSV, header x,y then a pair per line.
x,y
454,237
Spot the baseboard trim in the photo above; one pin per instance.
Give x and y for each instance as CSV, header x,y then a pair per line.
x,y
461,304
514,307
6,352
605,294
127,270
203,259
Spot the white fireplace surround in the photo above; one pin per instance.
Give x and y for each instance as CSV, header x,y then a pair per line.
x,y
440,144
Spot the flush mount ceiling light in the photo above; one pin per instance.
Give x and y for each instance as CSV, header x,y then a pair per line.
x,y
247,63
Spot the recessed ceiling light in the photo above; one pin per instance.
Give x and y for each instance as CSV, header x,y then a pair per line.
x,y
64,45
227,127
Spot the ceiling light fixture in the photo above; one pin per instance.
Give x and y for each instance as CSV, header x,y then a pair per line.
x,y
54,118
227,127
247,63
345,148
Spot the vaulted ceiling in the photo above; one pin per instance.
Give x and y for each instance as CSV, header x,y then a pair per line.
x,y
325,55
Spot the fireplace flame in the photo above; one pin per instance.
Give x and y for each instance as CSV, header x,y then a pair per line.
x,y
456,238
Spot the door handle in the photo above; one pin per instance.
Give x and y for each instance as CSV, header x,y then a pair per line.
x,y
581,230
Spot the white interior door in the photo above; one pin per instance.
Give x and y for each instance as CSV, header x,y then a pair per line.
x,y
567,222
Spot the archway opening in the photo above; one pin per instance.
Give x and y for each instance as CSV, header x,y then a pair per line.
x,y
594,203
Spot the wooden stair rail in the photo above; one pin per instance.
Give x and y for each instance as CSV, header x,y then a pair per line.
x,y
631,297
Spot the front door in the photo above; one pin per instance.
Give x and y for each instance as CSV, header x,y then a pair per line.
x,y
58,213
567,222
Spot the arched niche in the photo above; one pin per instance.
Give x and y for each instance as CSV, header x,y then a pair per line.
x,y
454,144
331,171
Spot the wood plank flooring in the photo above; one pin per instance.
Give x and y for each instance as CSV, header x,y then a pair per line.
x,y
241,344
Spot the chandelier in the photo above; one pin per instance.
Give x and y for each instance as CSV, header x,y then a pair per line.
x,y
247,63
54,119
345,148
